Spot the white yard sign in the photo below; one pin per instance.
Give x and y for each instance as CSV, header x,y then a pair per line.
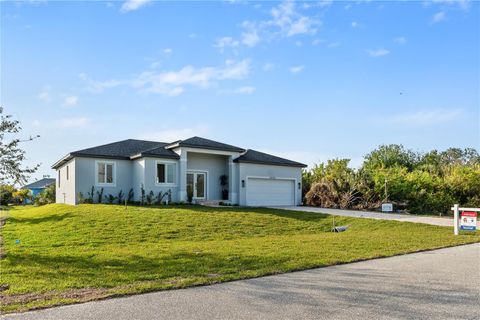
x,y
468,221
464,218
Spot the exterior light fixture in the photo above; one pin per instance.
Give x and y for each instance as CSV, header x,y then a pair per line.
x,y
243,183
299,186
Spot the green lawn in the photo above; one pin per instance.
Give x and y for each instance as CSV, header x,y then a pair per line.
x,y
68,254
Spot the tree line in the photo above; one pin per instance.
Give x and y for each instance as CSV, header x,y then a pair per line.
x,y
416,182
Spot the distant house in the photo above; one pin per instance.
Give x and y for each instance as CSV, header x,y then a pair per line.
x,y
38,186
192,168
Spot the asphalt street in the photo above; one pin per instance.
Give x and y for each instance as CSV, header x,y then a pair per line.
x,y
440,284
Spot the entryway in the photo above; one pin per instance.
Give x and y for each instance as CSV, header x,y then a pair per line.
x,y
197,182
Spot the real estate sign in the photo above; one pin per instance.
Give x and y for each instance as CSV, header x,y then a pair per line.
x,y
468,220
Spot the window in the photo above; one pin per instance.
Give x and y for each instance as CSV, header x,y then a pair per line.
x,y
166,173
67,172
105,173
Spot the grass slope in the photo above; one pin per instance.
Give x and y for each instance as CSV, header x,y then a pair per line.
x,y
69,254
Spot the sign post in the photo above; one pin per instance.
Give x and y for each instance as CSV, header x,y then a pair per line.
x,y
455,219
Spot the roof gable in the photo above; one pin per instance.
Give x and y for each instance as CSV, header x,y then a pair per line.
x,y
120,149
199,142
42,183
253,156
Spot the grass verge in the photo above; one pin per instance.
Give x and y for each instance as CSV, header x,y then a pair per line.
x,y
59,254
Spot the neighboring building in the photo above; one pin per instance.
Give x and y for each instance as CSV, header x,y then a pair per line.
x,y
195,164
38,186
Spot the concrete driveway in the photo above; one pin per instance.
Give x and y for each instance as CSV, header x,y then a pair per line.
x,y
437,221
441,284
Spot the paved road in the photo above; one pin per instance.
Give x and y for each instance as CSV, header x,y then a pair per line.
x,y
440,221
441,284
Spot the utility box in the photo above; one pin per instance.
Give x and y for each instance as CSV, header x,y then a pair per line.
x,y
387,207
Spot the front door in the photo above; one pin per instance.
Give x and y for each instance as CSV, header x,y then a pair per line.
x,y
197,182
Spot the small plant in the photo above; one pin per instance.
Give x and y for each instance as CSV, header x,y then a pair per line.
x,y
120,197
100,195
150,197
224,183
110,199
160,197
189,193
130,196
80,198
142,192
91,194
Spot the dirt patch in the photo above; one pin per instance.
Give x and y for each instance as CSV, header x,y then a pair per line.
x,y
77,294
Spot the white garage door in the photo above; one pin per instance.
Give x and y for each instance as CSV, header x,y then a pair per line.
x,y
270,192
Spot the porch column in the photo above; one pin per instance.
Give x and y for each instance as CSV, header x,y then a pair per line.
x,y
232,193
182,179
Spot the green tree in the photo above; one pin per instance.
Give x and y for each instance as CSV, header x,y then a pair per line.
x,y
6,194
11,155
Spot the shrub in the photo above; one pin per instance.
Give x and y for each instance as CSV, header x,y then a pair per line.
x,y
110,199
120,197
150,197
130,196
100,196
47,196
21,196
142,194
6,194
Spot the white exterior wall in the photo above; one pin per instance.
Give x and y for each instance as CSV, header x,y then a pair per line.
x,y
133,173
150,178
215,165
274,172
66,192
86,177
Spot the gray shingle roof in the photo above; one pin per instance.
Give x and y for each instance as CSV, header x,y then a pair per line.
x,y
121,149
132,149
42,183
252,156
199,142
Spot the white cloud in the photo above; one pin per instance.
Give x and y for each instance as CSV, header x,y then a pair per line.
x,y
173,134
316,42
421,118
131,5
400,40
70,100
172,83
244,90
250,36
192,35
378,52
167,50
98,86
290,21
332,45
70,123
297,69
463,4
268,66
439,17
45,96
355,24
225,42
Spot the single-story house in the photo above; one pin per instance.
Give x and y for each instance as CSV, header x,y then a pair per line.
x,y
187,169
38,186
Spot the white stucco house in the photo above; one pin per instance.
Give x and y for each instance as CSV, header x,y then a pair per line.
x,y
195,165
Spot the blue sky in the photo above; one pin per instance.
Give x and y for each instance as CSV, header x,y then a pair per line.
x,y
304,80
